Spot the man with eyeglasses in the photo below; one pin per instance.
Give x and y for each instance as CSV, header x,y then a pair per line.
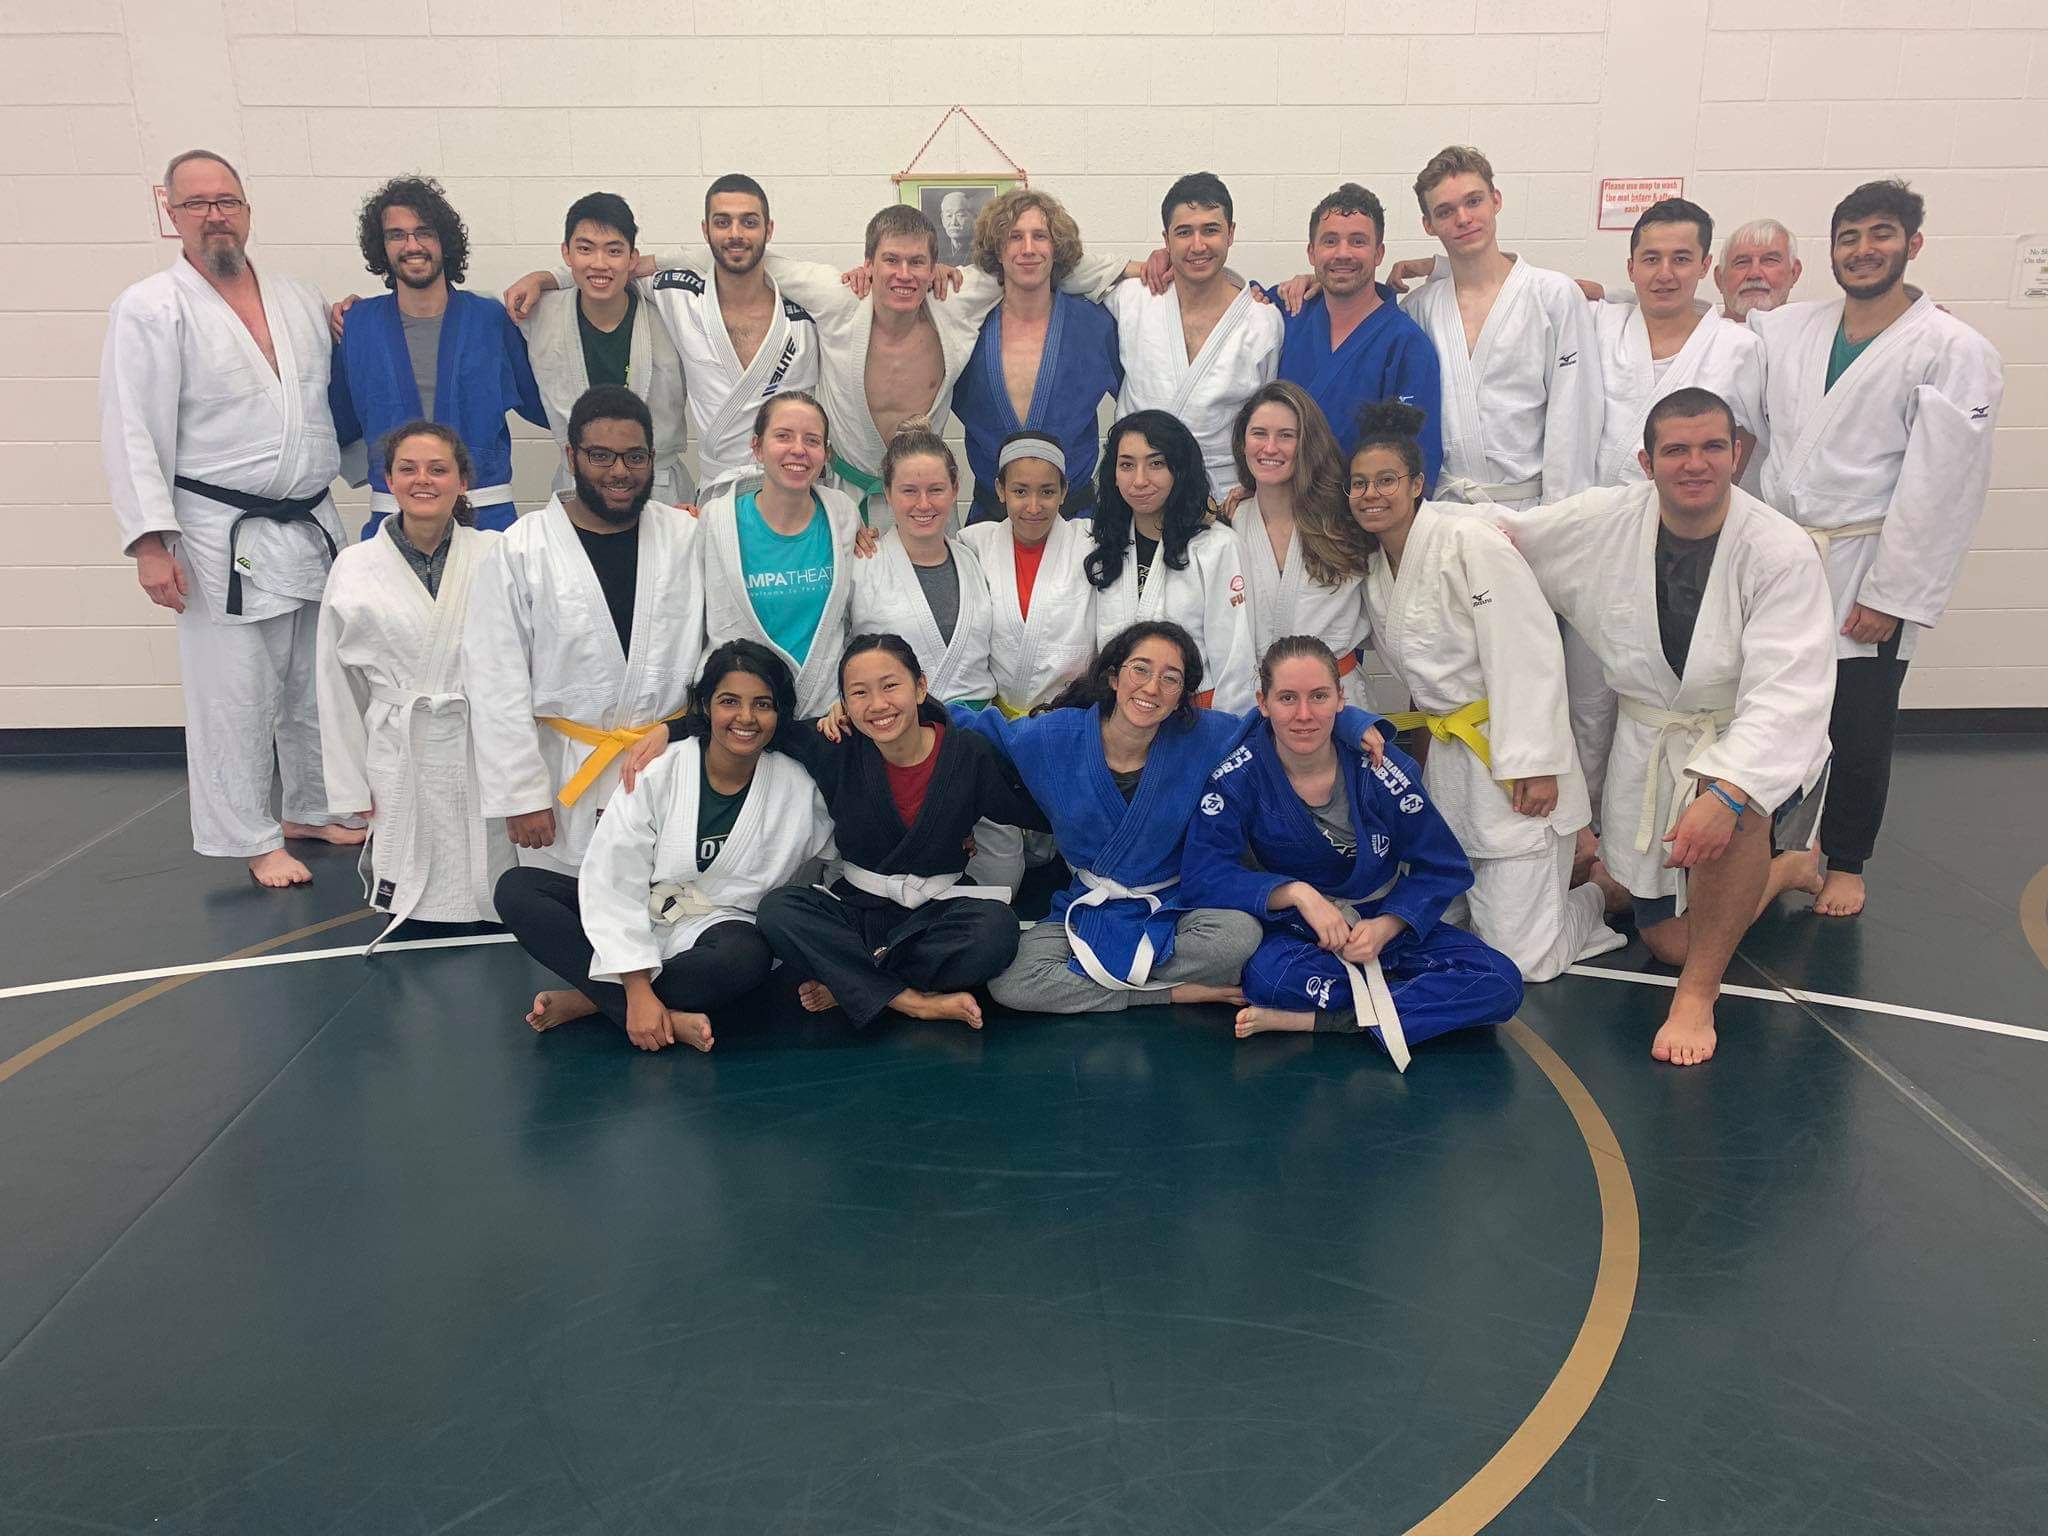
x,y
428,349
219,453
557,693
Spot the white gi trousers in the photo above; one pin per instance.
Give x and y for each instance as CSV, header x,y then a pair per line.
x,y
249,702
1520,906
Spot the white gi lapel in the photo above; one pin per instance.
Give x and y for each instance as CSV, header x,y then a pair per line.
x,y
747,382
925,638
1818,404
1464,452
1193,372
567,555
440,668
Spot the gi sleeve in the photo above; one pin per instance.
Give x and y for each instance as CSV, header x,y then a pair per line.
x,y
1418,379
617,875
1939,496
1094,276
1213,866
522,392
342,696
497,663
1520,656
1000,795
1437,870
141,369
823,760
1786,688
1576,400
813,285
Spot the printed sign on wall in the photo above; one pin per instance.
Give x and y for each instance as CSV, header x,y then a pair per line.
x,y
1623,198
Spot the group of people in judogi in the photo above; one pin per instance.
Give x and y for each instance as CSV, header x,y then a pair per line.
x,y
1646,577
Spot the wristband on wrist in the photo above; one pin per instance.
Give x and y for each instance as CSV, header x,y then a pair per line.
x,y
1730,801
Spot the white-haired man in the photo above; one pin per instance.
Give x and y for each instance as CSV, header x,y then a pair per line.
x,y
1758,267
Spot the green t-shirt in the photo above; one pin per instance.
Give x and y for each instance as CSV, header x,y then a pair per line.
x,y
1843,353
608,355
716,814
788,575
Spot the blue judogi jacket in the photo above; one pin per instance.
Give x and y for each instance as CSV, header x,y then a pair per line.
x,y
1388,356
1080,365
481,373
1248,805
1136,843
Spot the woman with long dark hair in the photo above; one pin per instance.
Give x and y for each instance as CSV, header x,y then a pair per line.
x,y
1156,558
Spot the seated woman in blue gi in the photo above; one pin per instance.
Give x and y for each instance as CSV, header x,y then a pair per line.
x,y
1354,870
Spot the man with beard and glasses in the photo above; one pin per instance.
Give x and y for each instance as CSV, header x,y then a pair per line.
x,y
1758,267
428,350
741,341
1881,407
219,452
586,623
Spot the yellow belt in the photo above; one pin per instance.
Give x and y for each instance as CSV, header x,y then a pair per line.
x,y
605,747
1462,723
1010,711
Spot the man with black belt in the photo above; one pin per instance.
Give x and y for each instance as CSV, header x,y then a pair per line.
x,y
219,451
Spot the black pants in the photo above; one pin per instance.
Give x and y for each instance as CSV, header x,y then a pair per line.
x,y
942,946
1866,718
539,906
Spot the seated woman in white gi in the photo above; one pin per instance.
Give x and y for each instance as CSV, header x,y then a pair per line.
x,y
1465,629
658,930
1294,536
394,722
1155,557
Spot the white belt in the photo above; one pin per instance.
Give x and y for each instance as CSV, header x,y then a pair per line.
x,y
482,496
400,829
1681,737
1825,539
1371,998
1101,890
669,902
1472,493
914,891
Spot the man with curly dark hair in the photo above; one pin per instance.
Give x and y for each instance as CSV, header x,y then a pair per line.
x,y
428,349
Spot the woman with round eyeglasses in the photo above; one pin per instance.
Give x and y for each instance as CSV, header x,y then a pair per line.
x,y
1463,626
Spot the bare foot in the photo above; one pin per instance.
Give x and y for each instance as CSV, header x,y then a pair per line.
x,y
347,837
1197,992
278,869
1841,895
938,1005
1585,848
816,997
1795,871
1253,1021
1614,896
1687,1038
552,1008
691,1028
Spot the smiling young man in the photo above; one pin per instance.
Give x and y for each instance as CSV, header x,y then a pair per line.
x,y
429,349
1200,348
1045,360
1709,613
1662,338
1881,408
1351,345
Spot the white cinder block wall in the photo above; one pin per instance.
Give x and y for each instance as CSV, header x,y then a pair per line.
x,y
1764,106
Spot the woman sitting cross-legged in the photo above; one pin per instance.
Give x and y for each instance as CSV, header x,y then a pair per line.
x,y
658,928
1354,868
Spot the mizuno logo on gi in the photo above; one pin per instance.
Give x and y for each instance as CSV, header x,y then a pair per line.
x,y
1235,761
1391,776
1567,359
1979,412
1481,599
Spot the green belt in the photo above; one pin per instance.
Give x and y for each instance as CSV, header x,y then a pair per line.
x,y
867,484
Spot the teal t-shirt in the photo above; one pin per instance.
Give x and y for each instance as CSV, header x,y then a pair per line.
x,y
789,576
1843,353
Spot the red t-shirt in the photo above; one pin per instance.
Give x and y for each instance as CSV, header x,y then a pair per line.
x,y
1028,558
907,786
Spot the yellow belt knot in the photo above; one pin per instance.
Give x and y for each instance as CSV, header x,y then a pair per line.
x,y
1460,723
605,746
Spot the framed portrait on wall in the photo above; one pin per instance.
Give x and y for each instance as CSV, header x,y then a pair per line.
x,y
952,203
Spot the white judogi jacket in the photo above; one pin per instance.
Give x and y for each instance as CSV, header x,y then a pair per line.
x,y
1291,602
1206,599
184,390
649,837
1899,449
1759,679
540,645
1725,358
394,730
729,611
846,323
554,346
889,599
1242,353
1032,658
724,394
1463,620
1522,408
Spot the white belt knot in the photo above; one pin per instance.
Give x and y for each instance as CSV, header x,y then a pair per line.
x,y
1682,735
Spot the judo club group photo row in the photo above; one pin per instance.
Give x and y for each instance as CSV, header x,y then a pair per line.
x,y
1409,635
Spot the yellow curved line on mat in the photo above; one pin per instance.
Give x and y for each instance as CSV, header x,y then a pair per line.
x,y
1557,1413
22,1060
2034,914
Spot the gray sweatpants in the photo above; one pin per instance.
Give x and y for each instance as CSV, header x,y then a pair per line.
x,y
1210,947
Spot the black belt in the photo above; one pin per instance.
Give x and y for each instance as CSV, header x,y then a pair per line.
x,y
294,509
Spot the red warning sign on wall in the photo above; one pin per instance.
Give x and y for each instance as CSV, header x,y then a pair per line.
x,y
1623,198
